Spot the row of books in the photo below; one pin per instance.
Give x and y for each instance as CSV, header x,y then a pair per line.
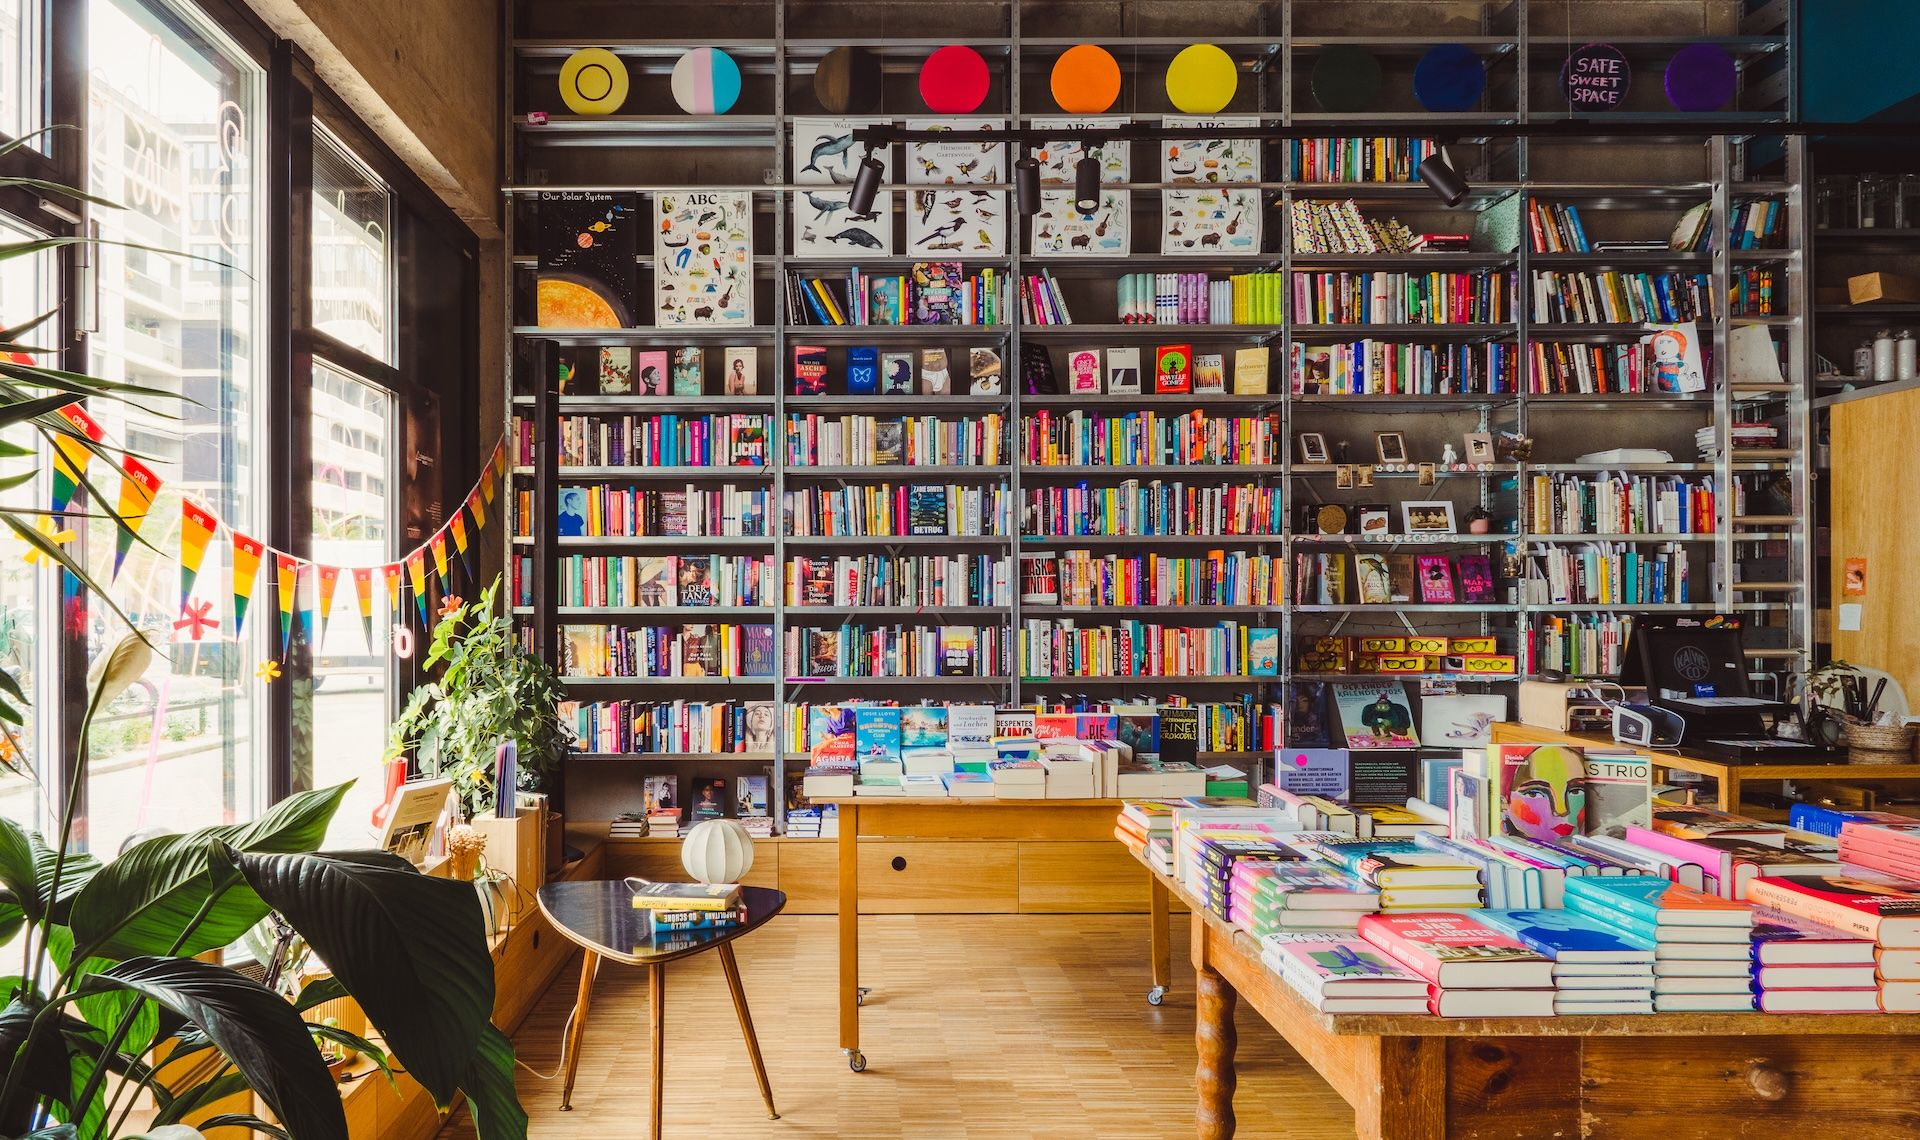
x,y
929,293
1050,439
907,510
1742,435
1754,222
1384,297
667,440
903,580
1153,731
1554,227
603,510
814,440
1338,227
1756,292
1353,159
626,727
1217,578
897,651
1178,371
666,651
1579,645
1332,578
1041,300
871,372
1197,299
1392,368
1153,508
1609,573
1613,297
1559,368
648,581
1621,504
1062,648
622,370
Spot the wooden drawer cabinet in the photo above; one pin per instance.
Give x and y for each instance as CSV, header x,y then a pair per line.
x,y
919,876
1080,878
657,859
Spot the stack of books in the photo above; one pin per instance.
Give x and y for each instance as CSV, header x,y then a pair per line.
x,y
1472,970
1210,855
1883,845
1407,875
1343,975
1595,970
677,910
637,824
1806,967
1146,828
1864,904
1741,436
1700,941
1272,898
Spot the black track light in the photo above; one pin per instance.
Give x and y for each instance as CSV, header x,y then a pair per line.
x,y
1086,184
866,183
1443,179
1026,184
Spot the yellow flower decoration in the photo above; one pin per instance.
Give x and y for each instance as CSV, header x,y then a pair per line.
x,y
268,671
46,526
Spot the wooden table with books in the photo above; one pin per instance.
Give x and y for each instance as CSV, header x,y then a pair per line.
x,y
1729,777
965,819
1419,1077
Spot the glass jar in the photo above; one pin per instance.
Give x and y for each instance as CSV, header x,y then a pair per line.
x,y
1873,201
1905,365
1830,204
1863,361
1907,205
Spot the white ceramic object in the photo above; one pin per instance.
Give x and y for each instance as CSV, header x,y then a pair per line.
x,y
717,851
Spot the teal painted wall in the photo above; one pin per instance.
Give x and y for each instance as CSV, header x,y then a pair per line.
x,y
1858,58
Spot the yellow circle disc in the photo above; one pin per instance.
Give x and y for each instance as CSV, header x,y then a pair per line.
x,y
1085,80
593,81
1201,80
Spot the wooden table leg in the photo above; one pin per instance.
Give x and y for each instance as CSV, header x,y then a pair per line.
x,y
1160,940
850,937
732,969
577,1026
657,983
1729,792
1214,1039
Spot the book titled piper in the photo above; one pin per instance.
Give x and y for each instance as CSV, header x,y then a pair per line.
x,y
684,896
1453,951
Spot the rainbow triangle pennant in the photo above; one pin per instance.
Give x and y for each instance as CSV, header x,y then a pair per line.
x,y
478,510
439,545
70,456
458,526
303,604
329,578
390,573
286,575
417,572
499,461
197,525
246,572
363,593
138,486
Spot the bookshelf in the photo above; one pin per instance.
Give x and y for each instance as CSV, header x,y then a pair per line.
x,y
1752,559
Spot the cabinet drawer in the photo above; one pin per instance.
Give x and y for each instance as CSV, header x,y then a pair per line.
x,y
810,874
651,859
1083,878
932,877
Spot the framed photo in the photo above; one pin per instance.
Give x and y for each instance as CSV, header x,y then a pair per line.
x,y
1427,474
1375,519
1313,447
1424,517
1363,475
1479,447
1343,477
1391,446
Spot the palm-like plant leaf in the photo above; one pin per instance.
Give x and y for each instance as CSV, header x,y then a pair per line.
x,y
26,869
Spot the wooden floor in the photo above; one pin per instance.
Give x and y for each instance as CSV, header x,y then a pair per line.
x,y
979,1026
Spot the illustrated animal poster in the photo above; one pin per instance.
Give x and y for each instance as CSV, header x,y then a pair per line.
x,y
824,224
952,221
703,254
1213,220
1059,229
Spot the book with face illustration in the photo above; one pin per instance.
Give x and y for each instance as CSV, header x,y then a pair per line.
x,y
824,223
1060,228
703,258
952,220
1210,219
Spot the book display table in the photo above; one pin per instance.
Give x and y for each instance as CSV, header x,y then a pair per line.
x,y
1729,777
1657,1076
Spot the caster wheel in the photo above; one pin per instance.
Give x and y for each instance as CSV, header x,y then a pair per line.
x,y
860,996
1156,995
857,1061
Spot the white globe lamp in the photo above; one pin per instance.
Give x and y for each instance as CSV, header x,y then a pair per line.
x,y
717,851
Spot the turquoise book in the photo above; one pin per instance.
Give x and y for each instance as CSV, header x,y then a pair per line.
x,y
1568,936
924,726
876,733
1655,901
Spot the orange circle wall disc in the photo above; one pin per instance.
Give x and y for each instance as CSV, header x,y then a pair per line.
x,y
1086,80
1201,80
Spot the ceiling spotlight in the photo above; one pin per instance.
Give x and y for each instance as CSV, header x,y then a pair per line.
x,y
1443,179
1086,184
866,183
1026,184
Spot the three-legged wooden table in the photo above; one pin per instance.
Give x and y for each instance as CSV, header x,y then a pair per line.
x,y
601,918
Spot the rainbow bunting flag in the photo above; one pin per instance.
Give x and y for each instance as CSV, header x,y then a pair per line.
x,y
138,486
70,456
246,571
499,462
286,584
478,510
439,545
417,572
197,525
390,573
303,605
458,525
329,580
363,592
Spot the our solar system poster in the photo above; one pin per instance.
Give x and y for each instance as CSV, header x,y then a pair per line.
x,y
953,221
1212,220
586,261
1060,229
824,224
703,257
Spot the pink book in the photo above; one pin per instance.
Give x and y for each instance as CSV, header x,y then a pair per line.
x,y
1453,951
1730,862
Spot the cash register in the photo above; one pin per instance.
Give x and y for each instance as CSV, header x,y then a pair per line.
x,y
1697,672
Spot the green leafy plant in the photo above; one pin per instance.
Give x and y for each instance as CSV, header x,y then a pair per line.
x,y
489,690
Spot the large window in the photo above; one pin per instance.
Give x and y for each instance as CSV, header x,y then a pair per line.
x,y
352,277
21,73
173,114
26,644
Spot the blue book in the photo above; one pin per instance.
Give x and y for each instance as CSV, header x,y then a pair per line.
x,y
876,733
923,726
1568,936
863,371
1655,901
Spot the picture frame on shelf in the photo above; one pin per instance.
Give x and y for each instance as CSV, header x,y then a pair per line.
x,y
1313,447
1375,520
1390,446
1479,447
1427,516
1343,477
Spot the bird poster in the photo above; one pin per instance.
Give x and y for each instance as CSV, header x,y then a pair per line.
x,y
824,224
703,254
1212,219
1059,229
954,222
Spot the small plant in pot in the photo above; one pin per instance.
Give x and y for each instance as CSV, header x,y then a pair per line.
x,y
489,690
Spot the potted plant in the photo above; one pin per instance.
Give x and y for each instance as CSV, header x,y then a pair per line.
x,y
488,690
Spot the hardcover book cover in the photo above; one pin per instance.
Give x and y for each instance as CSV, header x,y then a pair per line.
x,y
969,728
959,650
616,371
983,372
936,291
1210,373
1542,790
1782,939
923,726
1173,369
1453,951
1655,901
877,732
1567,936
809,370
689,371
1476,579
695,580
896,374
1857,902
1436,579
1083,371
830,736
926,510
1123,371
1179,734
1250,371
1348,968
650,373
1619,793
936,377
1375,714
863,370
1263,651
1301,886
657,580
1306,721
586,251
742,371
1036,371
709,801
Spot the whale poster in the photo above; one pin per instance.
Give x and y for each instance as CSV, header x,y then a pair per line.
x,y
703,258
1059,229
1210,220
824,224
954,222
